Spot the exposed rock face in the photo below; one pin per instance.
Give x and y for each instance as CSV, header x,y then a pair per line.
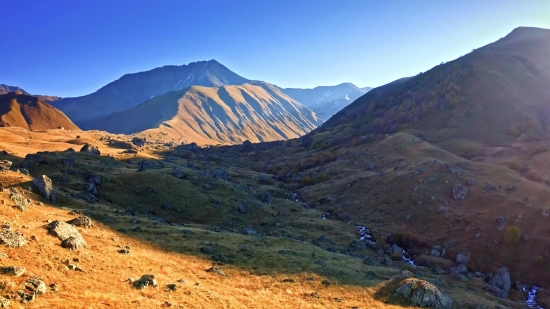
x,y
5,165
459,192
146,281
499,283
145,165
45,187
91,149
423,294
65,231
140,142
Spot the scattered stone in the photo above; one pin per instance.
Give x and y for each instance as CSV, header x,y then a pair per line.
x,y
423,294
67,233
171,287
459,192
12,239
288,280
501,220
124,250
4,302
325,282
45,187
90,149
146,281
216,270
12,271
19,200
144,165
82,221
240,208
34,286
5,165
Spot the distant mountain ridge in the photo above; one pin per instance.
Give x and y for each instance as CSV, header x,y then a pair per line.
x,y
327,100
133,89
7,89
229,114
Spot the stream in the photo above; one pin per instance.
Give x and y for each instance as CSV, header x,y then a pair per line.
x,y
531,300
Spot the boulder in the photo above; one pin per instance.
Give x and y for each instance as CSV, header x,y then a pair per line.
x,y
462,258
5,165
501,281
65,231
423,294
12,271
34,286
459,192
82,221
178,173
219,173
45,187
265,197
146,281
145,165
19,200
240,208
140,142
90,149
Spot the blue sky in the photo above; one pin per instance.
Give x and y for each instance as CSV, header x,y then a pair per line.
x,y
71,48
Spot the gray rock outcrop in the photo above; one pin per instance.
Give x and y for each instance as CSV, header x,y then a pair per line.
x,y
44,185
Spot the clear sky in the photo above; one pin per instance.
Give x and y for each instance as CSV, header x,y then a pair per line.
x,y
72,48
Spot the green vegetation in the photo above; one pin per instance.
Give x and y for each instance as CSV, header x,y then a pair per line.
x,y
512,235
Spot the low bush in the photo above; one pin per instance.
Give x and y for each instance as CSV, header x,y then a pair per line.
x,y
512,235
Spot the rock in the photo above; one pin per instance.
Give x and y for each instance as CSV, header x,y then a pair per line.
x,y
265,197
501,281
19,200
4,302
178,173
501,220
459,192
140,142
24,171
67,233
34,286
240,208
462,258
146,281
207,186
250,231
5,165
12,271
207,250
70,150
219,173
216,270
460,269
171,287
423,294
90,149
45,187
144,165
12,239
419,171
386,260
82,221
91,188
369,260
88,197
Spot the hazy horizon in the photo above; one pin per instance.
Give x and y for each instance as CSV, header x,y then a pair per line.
x,y
73,49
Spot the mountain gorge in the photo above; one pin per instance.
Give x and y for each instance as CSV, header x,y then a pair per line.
x,y
327,100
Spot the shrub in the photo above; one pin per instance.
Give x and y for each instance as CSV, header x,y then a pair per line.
x,y
540,148
402,239
512,235
381,242
306,181
540,260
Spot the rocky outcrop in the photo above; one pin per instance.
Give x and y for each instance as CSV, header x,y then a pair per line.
x,y
12,239
90,149
144,165
146,281
140,142
44,185
423,294
5,165
82,221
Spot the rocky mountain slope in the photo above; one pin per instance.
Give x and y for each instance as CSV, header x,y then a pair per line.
x,y
31,113
133,89
210,115
7,89
453,159
327,100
